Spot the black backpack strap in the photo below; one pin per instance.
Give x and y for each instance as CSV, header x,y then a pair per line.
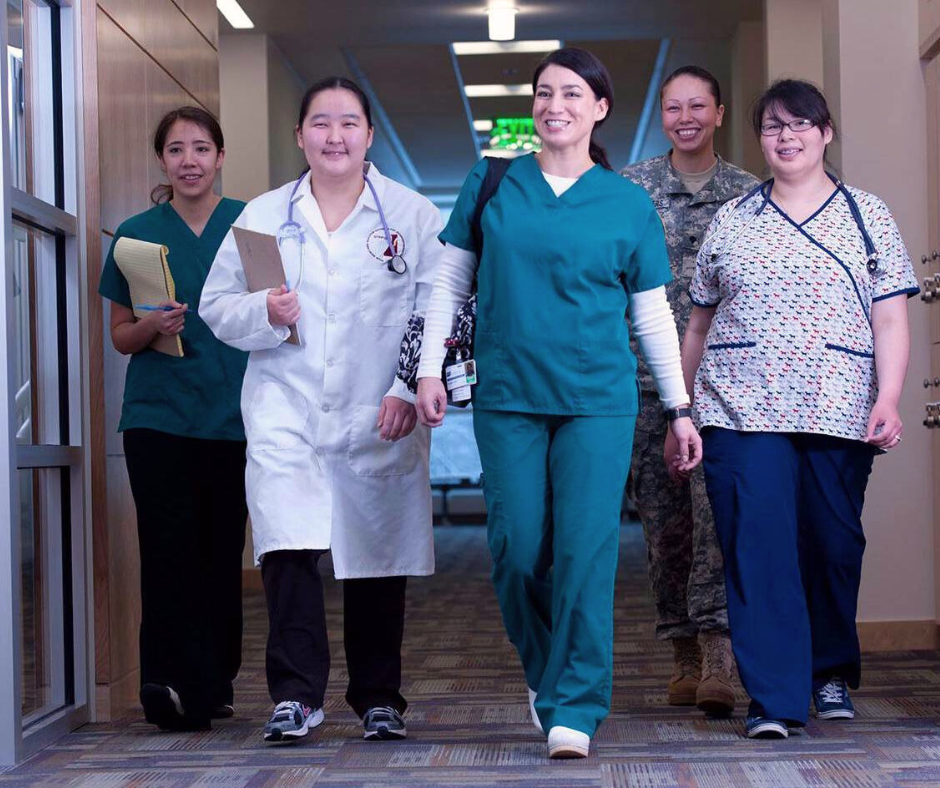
x,y
495,170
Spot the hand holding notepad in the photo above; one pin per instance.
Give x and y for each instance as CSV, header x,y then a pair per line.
x,y
148,276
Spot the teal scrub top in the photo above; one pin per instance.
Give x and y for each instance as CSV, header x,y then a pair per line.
x,y
198,395
554,284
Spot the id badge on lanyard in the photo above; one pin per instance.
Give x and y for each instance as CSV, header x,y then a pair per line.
x,y
460,377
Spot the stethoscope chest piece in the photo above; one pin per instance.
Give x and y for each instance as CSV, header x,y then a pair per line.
x,y
397,264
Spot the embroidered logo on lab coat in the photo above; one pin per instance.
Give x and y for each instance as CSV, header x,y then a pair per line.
x,y
378,245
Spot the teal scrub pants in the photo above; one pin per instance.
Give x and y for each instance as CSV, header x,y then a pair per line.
x,y
553,488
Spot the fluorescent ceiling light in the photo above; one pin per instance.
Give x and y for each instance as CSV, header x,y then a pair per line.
x,y
502,22
482,125
504,47
234,14
488,91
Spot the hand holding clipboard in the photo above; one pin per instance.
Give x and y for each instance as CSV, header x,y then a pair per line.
x,y
264,270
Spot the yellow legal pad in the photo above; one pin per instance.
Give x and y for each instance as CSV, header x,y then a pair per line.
x,y
145,267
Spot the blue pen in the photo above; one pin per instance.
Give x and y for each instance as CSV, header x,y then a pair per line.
x,y
149,308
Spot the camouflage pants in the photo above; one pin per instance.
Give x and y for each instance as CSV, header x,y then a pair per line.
x,y
686,570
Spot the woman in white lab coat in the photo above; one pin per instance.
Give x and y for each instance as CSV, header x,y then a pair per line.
x,y
335,461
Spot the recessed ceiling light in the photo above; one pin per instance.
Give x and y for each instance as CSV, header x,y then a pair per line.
x,y
503,47
234,14
502,20
487,91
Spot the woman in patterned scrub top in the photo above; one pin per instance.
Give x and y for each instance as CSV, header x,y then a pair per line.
x,y
798,345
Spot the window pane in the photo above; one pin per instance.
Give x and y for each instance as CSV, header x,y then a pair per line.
x,y
36,362
43,612
31,60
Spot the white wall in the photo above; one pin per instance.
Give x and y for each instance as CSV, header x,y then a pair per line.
x,y
882,112
243,98
747,83
285,91
794,39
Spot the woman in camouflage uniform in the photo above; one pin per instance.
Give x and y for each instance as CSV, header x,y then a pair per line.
x,y
688,185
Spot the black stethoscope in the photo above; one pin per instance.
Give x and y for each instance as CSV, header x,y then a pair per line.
x,y
872,258
291,229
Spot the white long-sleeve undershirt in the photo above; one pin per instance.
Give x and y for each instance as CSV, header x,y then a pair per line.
x,y
650,317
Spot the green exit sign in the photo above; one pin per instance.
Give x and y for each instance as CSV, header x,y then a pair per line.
x,y
514,134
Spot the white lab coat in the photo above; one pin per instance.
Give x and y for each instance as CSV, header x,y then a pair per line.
x,y
318,475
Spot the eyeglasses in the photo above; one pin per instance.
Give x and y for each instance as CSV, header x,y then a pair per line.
x,y
774,127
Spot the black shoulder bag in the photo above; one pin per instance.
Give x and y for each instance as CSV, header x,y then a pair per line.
x,y
460,343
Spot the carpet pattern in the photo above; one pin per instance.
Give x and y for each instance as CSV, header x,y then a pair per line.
x,y
469,722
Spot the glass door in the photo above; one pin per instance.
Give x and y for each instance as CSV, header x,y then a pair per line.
x,y
43,672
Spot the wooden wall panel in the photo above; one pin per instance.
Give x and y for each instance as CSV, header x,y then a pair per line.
x,y
180,49
205,16
162,95
169,37
123,132
150,59
125,574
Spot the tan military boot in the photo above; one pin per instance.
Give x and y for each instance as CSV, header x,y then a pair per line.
x,y
686,672
715,694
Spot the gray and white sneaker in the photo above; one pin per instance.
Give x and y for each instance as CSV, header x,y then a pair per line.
x,y
383,723
291,721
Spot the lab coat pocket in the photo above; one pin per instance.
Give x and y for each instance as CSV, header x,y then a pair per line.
x,y
369,455
275,418
384,297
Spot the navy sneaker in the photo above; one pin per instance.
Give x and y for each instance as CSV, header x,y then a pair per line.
x,y
832,701
291,721
383,723
766,728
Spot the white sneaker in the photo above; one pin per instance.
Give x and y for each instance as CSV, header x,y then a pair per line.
x,y
535,717
568,743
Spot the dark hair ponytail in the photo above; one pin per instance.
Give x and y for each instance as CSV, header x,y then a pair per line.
x,y
197,115
589,67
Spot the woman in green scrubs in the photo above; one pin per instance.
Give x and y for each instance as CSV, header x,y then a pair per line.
x,y
568,245
183,441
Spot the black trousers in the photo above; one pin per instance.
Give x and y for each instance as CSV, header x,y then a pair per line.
x,y
191,516
298,653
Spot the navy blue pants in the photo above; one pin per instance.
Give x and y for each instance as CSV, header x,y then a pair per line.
x,y
788,511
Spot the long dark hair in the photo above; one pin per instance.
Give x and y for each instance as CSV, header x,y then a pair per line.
x,y
205,120
334,83
699,73
587,66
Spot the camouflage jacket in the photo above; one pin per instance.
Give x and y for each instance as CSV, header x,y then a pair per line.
x,y
686,218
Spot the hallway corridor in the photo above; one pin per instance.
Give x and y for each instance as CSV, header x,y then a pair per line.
x,y
469,722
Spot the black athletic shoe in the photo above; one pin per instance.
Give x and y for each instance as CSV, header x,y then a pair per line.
x,y
383,723
223,711
163,708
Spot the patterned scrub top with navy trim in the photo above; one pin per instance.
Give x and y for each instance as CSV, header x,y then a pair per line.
x,y
790,347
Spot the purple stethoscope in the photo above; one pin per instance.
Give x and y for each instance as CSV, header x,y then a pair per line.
x,y
291,229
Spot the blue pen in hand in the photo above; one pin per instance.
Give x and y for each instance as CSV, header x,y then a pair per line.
x,y
151,308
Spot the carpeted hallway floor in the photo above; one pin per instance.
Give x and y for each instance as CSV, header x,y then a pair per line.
x,y
469,722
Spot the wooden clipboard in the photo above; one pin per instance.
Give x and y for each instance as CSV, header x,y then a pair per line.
x,y
261,261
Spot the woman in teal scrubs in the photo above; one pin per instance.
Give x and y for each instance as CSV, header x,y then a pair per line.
x,y
569,248
183,441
